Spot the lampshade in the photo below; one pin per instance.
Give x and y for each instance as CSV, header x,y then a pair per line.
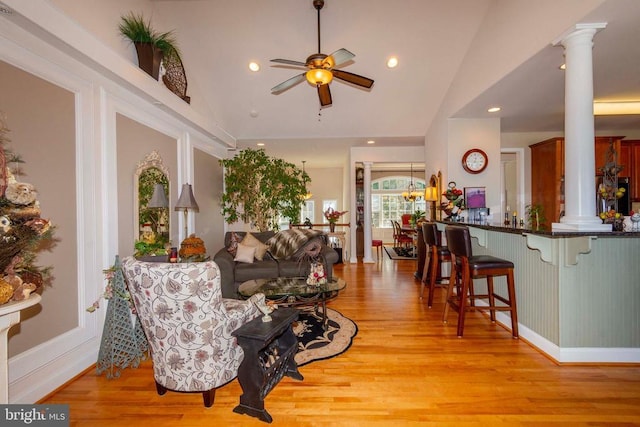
x,y
159,198
431,194
319,76
186,200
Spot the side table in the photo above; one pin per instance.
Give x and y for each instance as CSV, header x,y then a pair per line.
x,y
9,316
269,350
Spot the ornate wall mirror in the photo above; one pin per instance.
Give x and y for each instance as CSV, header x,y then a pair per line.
x,y
151,204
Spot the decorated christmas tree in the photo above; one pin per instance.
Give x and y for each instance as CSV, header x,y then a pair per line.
x,y
22,230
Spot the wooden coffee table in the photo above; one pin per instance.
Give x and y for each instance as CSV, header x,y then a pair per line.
x,y
294,291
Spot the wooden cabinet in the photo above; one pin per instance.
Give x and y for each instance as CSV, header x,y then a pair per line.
x,y
624,159
602,144
547,177
547,170
633,169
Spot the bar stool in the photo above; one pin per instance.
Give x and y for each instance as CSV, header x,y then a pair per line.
x,y
437,255
465,266
378,245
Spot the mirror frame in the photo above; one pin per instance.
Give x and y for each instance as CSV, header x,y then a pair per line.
x,y
151,160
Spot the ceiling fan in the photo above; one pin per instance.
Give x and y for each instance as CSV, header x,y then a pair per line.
x,y
321,69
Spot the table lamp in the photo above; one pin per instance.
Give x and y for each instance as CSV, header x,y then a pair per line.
x,y
186,202
431,195
158,201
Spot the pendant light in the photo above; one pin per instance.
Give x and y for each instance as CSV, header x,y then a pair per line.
x,y
411,195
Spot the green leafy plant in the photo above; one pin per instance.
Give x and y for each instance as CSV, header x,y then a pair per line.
x,y
535,217
417,215
259,189
138,30
143,248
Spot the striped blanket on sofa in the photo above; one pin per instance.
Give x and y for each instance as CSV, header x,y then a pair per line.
x,y
296,243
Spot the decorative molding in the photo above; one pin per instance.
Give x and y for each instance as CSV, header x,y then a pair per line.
x,y
480,234
549,251
575,246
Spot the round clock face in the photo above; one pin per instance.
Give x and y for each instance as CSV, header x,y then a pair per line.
x,y
474,161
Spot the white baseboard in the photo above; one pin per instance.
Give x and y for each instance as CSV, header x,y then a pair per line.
x,y
571,354
41,370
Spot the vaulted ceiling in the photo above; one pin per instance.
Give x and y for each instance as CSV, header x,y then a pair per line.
x,y
431,38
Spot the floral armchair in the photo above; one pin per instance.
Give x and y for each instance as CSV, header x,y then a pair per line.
x,y
188,324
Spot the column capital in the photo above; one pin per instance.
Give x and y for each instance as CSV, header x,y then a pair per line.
x,y
579,28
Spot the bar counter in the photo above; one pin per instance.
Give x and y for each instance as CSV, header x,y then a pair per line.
x,y
578,294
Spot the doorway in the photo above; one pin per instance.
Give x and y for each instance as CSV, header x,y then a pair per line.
x,y
511,182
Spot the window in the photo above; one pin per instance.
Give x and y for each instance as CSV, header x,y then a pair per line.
x,y
308,211
387,203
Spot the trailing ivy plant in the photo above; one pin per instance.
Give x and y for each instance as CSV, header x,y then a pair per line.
x,y
259,189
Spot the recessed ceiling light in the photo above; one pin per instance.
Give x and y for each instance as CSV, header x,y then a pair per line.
x,y
254,66
392,62
371,141
260,144
494,109
563,67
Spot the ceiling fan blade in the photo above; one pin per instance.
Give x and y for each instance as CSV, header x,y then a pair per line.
x,y
289,62
324,93
353,78
288,83
338,57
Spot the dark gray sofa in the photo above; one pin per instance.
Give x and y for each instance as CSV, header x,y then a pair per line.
x,y
234,273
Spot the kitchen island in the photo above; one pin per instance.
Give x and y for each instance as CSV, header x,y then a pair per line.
x,y
578,294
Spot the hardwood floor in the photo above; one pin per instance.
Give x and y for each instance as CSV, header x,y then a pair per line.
x,y
405,367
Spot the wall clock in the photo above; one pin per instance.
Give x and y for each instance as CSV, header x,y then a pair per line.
x,y
475,160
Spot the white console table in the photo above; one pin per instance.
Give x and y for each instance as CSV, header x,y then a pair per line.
x,y
9,316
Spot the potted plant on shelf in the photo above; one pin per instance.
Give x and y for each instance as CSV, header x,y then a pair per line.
x,y
150,45
259,189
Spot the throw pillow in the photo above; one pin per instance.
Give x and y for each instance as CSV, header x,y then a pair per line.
x,y
233,243
245,253
261,248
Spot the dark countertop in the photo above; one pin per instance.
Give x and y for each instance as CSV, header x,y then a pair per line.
x,y
551,234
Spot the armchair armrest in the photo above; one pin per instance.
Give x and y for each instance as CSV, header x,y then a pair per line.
x,y
226,264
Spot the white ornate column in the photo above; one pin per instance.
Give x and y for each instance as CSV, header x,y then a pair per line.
x,y
368,258
9,316
579,135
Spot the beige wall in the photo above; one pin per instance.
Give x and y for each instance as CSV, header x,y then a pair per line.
x,y
134,142
207,189
41,119
326,184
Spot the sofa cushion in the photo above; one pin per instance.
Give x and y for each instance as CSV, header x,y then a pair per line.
x,y
261,248
263,236
267,269
233,243
245,253
292,268
287,242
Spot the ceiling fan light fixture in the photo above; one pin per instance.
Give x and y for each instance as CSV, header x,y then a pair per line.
x,y
319,76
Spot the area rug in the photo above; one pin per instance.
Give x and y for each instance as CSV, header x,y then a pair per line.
x,y
314,343
399,252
